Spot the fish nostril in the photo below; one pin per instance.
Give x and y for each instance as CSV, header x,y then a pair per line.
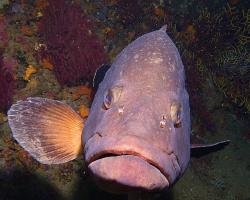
x,y
162,124
163,121
120,110
99,134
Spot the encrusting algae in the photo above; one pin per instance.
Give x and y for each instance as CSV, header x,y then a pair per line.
x,y
46,64
27,30
82,90
83,111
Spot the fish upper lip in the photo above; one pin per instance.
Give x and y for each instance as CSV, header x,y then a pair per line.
x,y
100,147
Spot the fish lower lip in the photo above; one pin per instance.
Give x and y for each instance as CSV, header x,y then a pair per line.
x,y
104,147
122,173
114,154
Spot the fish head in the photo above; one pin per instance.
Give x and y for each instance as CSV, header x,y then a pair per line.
x,y
137,134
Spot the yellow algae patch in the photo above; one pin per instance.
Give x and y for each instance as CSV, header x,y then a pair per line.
x,y
46,64
29,71
83,111
39,14
82,90
3,118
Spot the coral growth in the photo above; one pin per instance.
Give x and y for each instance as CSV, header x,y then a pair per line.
x,y
73,48
214,50
223,48
7,84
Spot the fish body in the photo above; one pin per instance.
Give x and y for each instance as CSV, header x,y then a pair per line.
x,y
146,124
137,135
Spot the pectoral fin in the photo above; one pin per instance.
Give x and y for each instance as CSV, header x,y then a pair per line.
x,y
198,150
48,129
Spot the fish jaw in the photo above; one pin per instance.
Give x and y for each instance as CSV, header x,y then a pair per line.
x,y
126,163
125,173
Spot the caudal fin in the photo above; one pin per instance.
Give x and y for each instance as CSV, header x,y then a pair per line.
x,y
48,129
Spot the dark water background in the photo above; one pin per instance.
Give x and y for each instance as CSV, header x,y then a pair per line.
x,y
47,54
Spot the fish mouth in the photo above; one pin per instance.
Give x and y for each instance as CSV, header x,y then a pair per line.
x,y
126,163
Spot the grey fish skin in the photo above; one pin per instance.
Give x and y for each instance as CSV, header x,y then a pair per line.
x,y
137,136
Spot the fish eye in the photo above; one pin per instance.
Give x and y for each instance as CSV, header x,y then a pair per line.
x,y
107,100
175,113
112,96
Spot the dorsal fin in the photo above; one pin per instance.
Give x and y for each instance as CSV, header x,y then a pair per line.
x,y
198,150
164,28
99,75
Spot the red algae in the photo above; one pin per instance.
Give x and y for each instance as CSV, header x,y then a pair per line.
x,y
73,48
4,38
7,85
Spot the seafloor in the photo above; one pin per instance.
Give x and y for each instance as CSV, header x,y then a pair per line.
x,y
213,39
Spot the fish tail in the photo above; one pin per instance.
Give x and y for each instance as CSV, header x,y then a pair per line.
x,y
49,130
